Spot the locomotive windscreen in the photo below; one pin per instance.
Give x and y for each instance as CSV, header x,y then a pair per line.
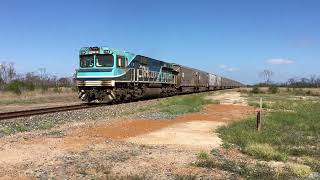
x,y
86,61
104,60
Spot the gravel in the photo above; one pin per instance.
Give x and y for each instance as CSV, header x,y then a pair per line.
x,y
155,115
88,164
47,121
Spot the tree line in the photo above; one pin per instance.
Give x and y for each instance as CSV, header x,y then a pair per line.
x,y
303,82
11,80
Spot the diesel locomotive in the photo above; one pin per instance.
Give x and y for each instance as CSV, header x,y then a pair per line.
x,y
112,75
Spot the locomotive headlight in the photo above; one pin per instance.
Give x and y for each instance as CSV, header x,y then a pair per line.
x,y
94,52
107,52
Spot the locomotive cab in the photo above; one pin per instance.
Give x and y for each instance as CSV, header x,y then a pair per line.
x,y
99,68
100,63
96,61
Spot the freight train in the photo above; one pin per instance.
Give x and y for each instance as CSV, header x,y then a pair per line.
x,y
112,75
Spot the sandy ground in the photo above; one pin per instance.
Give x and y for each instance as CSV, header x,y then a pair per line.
x,y
121,146
231,97
196,133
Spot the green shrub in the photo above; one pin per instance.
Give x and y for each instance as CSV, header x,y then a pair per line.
x,y
299,92
204,160
57,89
203,156
206,163
18,87
44,88
257,105
273,89
256,90
74,88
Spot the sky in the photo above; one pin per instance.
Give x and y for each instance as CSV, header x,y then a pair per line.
x,y
236,39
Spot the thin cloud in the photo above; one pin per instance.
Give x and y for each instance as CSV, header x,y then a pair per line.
x,y
227,68
232,69
222,66
280,61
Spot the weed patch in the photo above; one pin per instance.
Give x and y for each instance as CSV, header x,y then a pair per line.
x,y
135,151
185,177
239,168
266,152
291,130
180,104
299,170
45,124
203,156
183,104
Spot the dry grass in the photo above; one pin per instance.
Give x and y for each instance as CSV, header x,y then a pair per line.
x,y
299,170
38,96
296,91
265,151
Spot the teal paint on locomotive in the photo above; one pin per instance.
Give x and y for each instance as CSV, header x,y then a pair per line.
x,y
162,71
111,72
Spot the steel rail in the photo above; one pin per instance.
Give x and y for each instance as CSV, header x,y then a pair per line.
x,y
31,112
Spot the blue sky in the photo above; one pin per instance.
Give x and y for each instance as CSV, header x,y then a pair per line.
x,y
237,39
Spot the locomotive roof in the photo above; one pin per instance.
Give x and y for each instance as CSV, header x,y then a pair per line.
x,y
117,51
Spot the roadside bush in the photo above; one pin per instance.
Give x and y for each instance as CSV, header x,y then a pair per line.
x,y
18,87
74,88
243,90
2,84
44,88
257,105
57,89
289,90
305,92
255,90
299,92
273,89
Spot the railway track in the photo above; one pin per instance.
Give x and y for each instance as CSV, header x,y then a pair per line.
x,y
31,112
25,113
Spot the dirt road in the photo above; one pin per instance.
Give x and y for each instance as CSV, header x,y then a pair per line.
x,y
121,147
